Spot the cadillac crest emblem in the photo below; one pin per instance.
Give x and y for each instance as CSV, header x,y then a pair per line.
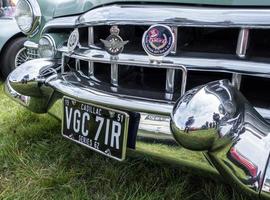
x,y
114,44
158,41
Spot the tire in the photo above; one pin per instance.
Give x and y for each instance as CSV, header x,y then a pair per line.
x,y
9,58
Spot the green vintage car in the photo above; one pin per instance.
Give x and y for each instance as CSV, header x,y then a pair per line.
x,y
184,81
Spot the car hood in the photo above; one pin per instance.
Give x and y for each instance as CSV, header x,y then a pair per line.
x,y
72,7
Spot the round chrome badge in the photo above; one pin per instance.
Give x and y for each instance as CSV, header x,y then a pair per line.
x,y
158,40
73,40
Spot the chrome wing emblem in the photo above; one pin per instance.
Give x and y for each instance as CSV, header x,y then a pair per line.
x,y
114,44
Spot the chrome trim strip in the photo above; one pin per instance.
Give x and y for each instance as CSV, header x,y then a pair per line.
x,y
30,44
176,16
158,124
241,51
36,15
175,32
263,112
170,78
90,36
61,22
91,69
52,43
203,64
242,44
114,74
115,101
236,80
78,64
169,15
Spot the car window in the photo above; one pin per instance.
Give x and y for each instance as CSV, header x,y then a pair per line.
x,y
7,8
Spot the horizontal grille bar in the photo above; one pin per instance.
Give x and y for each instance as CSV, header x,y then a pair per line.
x,y
139,63
166,14
195,64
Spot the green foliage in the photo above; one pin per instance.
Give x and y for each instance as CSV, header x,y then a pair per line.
x,y
37,163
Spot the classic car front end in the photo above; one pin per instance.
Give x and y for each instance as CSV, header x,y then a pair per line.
x,y
155,78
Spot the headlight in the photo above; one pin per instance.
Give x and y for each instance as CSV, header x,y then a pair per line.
x,y
28,15
46,47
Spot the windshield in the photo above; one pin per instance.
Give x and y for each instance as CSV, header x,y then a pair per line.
x,y
7,8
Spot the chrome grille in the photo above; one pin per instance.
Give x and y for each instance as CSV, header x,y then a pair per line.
x,y
185,45
214,44
32,53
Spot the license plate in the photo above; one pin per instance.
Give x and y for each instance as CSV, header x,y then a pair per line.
x,y
101,129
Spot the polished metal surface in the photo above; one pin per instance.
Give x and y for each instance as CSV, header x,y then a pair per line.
x,y
216,118
177,16
191,63
175,32
61,22
91,42
155,141
135,60
32,71
52,43
78,64
170,78
29,78
21,57
90,36
81,92
229,130
32,53
73,40
241,52
236,80
39,77
14,95
32,50
243,42
91,68
36,17
114,74
114,44
170,15
29,44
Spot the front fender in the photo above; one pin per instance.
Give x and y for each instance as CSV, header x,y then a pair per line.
x,y
9,29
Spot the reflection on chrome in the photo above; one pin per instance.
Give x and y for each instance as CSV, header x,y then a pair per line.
x,y
217,119
214,119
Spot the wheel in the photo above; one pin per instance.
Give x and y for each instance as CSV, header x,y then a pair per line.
x,y
13,56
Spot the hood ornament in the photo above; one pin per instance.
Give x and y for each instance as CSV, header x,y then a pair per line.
x,y
114,44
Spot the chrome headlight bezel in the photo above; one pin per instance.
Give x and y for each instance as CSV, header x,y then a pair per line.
x,y
35,14
52,44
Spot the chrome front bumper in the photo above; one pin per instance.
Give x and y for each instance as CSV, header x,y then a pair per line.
x,y
227,135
